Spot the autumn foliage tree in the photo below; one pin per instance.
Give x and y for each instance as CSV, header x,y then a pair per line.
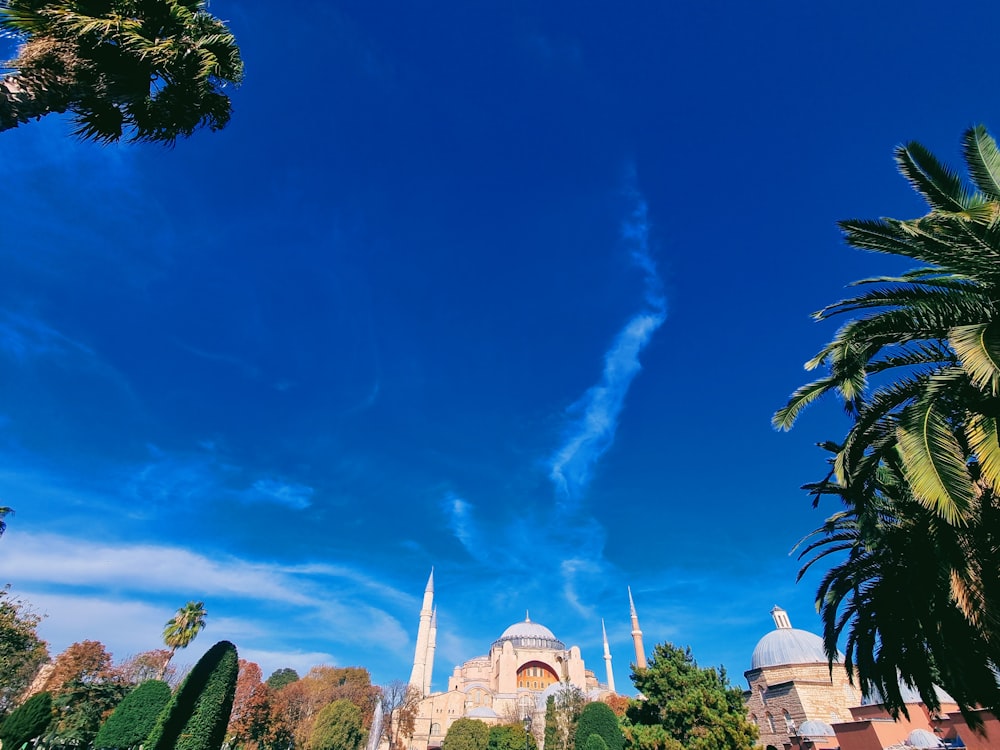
x,y
399,702
294,708
251,716
21,650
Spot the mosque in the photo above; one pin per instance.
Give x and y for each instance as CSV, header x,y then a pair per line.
x,y
794,698
525,665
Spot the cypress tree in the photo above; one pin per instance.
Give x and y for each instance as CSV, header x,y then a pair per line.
x,y
134,718
27,721
197,714
551,737
594,742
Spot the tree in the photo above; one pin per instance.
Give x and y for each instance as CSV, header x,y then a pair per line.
x,y
22,652
598,719
281,677
133,719
4,512
147,665
550,739
148,70
922,452
685,706
568,702
594,742
510,737
82,662
251,715
182,628
399,702
27,722
198,713
337,727
466,734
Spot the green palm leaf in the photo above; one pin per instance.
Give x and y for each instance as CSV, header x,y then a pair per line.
x,y
983,160
978,349
933,463
982,434
941,187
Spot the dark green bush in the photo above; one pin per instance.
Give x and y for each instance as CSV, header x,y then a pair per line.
x,y
197,714
598,718
27,721
134,718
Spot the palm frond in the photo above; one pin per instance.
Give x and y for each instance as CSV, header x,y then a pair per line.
x,y
785,417
933,463
978,349
941,187
983,160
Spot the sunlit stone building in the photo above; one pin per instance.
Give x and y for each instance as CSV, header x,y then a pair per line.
x,y
522,668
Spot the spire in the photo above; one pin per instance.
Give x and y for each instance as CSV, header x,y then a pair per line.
x,y
781,620
640,652
527,618
418,677
607,658
431,646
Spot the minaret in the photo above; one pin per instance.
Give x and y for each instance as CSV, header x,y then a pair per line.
x,y
431,645
607,658
781,620
417,676
640,652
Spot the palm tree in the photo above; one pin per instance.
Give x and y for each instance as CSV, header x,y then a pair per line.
x,y
919,471
4,512
930,337
150,70
182,628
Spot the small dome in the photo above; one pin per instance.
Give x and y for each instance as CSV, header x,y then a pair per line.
x,y
482,712
530,634
923,738
816,728
787,645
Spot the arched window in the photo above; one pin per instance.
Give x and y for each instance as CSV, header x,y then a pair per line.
x,y
770,722
753,718
435,728
789,724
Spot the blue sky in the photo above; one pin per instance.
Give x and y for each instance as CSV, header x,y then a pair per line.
x,y
504,290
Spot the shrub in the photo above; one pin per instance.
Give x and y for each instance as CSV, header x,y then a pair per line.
x,y
27,722
135,716
598,718
196,716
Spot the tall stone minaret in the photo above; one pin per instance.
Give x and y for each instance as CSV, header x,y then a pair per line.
x,y
431,645
640,652
418,675
607,658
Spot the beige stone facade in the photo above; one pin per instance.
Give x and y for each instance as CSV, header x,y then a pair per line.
x,y
791,683
523,666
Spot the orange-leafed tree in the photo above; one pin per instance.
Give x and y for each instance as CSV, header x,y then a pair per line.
x,y
249,722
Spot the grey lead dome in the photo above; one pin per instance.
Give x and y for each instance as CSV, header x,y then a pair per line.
x,y
787,645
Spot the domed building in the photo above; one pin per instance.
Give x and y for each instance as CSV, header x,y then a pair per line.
x,y
510,682
791,687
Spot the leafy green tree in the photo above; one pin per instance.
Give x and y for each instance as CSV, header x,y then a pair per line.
x,y
466,734
595,742
182,628
148,70
692,707
568,702
133,719
27,721
281,677
598,719
80,709
510,737
918,370
337,727
22,652
197,714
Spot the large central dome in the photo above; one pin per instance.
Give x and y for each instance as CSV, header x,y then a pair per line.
x,y
528,634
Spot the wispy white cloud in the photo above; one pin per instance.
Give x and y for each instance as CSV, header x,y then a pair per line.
x,y
592,433
116,593
25,337
297,496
